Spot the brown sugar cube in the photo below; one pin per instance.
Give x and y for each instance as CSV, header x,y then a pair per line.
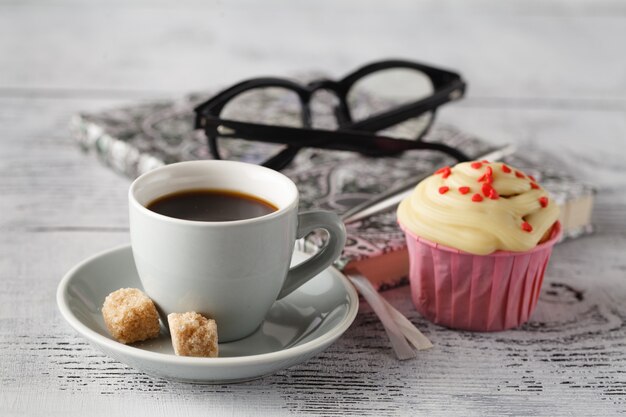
x,y
193,334
130,316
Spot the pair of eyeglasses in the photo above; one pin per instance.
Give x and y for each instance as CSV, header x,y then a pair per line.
x,y
367,104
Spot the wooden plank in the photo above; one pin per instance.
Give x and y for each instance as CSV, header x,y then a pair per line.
x,y
47,182
571,357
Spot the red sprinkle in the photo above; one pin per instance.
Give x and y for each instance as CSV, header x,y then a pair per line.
x,y
534,186
476,165
527,227
443,190
484,161
506,169
489,171
487,179
445,172
477,198
487,188
543,201
519,174
493,194
532,178
464,190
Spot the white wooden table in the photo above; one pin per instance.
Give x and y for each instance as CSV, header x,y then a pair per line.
x,y
549,75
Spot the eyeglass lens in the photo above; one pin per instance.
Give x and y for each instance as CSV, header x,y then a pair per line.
x,y
386,89
273,106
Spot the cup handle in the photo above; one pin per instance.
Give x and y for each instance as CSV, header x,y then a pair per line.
x,y
308,222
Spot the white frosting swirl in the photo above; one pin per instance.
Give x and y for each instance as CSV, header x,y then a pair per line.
x,y
503,209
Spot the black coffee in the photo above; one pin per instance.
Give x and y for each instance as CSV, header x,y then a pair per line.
x,y
211,205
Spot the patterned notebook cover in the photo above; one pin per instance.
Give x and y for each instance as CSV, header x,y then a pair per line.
x,y
138,138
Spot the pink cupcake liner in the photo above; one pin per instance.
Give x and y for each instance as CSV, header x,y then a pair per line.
x,y
482,293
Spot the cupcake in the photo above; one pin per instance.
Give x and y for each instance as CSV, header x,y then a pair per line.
x,y
479,237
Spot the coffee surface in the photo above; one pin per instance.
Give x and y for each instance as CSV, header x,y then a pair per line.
x,y
211,205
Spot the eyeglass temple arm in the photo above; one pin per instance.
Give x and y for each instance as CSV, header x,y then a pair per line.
x,y
346,140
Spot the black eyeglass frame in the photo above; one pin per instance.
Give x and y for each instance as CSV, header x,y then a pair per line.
x,y
352,136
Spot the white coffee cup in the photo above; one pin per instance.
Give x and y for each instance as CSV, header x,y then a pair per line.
x,y
231,271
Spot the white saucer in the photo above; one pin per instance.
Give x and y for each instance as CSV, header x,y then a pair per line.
x,y
297,327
